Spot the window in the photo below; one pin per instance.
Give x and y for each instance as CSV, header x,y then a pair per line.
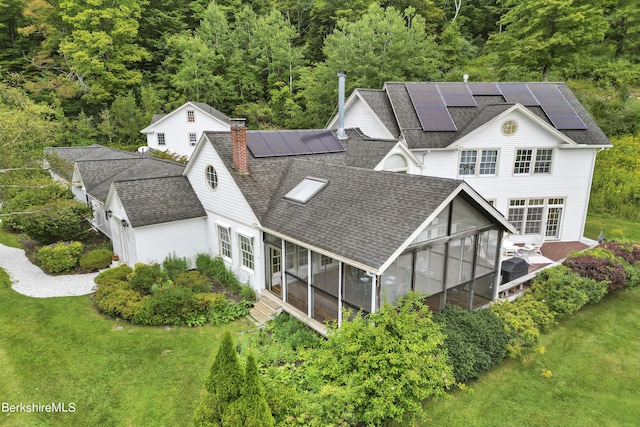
x,y
193,138
191,116
529,215
523,162
212,177
161,140
542,164
246,250
471,164
224,242
305,190
543,161
396,163
509,127
468,162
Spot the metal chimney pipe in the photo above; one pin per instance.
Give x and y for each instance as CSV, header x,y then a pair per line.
x,y
342,76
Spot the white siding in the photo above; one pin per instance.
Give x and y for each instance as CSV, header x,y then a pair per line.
x,y
358,115
176,130
227,206
186,238
570,176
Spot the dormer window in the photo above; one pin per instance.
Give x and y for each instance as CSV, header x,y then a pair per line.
x,y
191,116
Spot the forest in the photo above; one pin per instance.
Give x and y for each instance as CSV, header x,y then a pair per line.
x,y
102,68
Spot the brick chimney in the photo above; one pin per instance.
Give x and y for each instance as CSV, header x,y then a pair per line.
x,y
239,146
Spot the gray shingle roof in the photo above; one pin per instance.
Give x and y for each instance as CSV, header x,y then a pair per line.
x,y
97,175
159,200
467,118
361,214
90,152
215,113
379,102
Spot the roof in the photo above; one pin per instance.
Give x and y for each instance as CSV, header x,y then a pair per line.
x,y
399,115
205,108
159,200
356,214
97,175
90,152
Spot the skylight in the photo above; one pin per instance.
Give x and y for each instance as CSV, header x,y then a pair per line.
x,y
305,190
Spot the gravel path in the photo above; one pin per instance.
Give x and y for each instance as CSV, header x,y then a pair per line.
x,y
31,281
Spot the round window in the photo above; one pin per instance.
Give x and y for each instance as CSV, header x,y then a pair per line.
x,y
509,127
212,177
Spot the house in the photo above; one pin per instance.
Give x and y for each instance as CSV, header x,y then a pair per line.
x,y
303,217
125,191
527,148
180,130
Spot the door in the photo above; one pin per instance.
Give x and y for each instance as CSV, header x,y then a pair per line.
x,y
274,275
553,223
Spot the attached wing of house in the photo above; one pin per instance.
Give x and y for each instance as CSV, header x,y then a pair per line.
x,y
528,148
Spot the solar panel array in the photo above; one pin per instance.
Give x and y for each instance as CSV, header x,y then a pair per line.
x,y
430,107
431,102
292,142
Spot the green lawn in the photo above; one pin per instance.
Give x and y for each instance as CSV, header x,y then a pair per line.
x,y
593,359
612,227
8,239
60,350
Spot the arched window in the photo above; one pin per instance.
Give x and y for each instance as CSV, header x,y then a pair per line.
x,y
396,163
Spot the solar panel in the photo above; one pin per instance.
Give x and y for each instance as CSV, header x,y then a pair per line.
x,y
292,142
430,107
456,95
518,93
556,107
484,89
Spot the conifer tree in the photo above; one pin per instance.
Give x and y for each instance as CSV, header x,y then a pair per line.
x,y
225,378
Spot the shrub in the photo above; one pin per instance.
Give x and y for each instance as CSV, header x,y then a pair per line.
x,y
193,280
172,305
630,252
60,257
114,298
565,292
203,302
524,319
96,259
30,199
218,271
247,293
379,368
475,341
228,312
174,266
145,276
59,220
119,273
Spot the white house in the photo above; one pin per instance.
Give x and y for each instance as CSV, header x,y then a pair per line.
x,y
528,148
180,130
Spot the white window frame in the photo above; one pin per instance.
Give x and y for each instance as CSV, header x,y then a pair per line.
x,y
530,215
191,116
224,241
540,162
247,257
193,138
476,163
211,177
162,140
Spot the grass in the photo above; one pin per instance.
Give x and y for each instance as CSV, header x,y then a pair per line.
x,y
613,228
61,350
595,376
9,239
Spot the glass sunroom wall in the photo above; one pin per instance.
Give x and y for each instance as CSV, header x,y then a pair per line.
x,y
297,273
325,285
486,262
357,289
395,282
429,274
460,270
465,217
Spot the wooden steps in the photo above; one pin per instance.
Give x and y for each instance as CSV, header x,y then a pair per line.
x,y
265,309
